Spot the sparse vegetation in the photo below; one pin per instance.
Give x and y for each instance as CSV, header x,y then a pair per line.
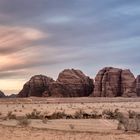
x,y
34,115
109,114
10,115
58,115
23,122
131,114
71,126
79,114
45,120
129,124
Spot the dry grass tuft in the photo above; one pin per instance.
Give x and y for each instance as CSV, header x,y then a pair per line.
x,y
10,115
24,122
34,115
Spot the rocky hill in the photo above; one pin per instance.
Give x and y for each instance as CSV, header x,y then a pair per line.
x,y
2,95
109,82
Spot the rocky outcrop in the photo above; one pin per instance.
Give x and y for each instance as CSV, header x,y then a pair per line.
x,y
109,82
71,83
138,85
128,84
113,82
2,95
36,86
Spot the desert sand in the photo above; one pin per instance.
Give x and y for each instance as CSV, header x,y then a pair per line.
x,y
65,129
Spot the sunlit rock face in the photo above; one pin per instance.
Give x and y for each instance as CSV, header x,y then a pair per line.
x,y
113,82
36,86
138,85
71,83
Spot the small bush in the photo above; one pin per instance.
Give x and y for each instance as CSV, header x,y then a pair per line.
x,y
58,115
45,120
10,115
109,114
95,115
79,114
71,126
131,114
129,124
23,122
34,115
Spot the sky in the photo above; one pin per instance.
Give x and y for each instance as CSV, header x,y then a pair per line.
x,y
47,36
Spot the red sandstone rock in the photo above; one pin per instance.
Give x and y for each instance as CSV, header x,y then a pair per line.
x,y
138,85
35,86
71,83
112,82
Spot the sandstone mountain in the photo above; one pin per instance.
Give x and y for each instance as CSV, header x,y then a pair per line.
x,y
138,85
35,86
113,82
71,83
2,95
109,82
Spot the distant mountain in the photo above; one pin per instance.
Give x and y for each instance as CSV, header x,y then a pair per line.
x,y
12,96
2,95
109,82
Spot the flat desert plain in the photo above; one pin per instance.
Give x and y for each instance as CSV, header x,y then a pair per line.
x,y
13,111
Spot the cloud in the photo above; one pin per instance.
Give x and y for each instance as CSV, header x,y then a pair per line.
x,y
14,39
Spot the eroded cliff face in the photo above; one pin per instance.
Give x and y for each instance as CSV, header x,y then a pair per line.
x,y
113,82
71,83
35,86
138,85
2,95
109,82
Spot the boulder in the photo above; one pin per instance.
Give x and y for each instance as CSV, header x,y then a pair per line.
x,y
113,82
35,86
138,85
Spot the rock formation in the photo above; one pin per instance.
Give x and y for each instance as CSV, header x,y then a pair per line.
x,y
113,82
71,83
2,95
138,85
35,86
128,84
109,82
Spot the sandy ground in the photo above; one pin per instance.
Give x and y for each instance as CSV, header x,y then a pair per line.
x,y
83,129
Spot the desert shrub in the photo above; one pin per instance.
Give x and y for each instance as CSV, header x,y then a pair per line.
x,y
58,115
79,114
22,106
131,114
34,115
71,126
23,122
129,124
109,114
10,115
45,120
95,115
